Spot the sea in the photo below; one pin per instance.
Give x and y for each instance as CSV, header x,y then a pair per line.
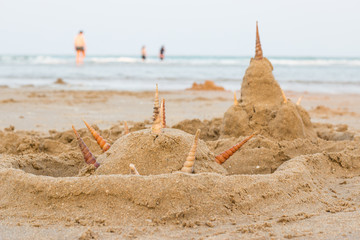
x,y
130,73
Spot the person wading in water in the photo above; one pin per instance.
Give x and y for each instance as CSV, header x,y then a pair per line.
x,y
162,51
80,47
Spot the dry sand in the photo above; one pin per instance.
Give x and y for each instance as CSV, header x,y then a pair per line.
x,y
273,187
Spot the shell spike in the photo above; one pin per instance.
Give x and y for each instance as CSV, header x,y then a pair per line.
x,y
126,128
88,156
258,49
101,141
156,126
235,99
162,113
133,170
283,96
221,158
299,100
190,160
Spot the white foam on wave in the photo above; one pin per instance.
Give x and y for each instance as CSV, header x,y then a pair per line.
x,y
316,62
177,60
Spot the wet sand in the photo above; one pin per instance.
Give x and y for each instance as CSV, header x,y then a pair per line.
x,y
45,109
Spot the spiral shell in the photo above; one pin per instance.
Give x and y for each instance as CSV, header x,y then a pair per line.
x,y
162,113
102,143
156,126
283,96
190,160
133,169
126,128
88,156
258,49
299,100
235,99
221,158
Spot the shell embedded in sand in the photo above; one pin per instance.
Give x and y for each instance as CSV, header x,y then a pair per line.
x,y
101,141
156,126
190,160
283,96
258,49
88,156
221,158
133,169
299,100
162,113
235,99
126,128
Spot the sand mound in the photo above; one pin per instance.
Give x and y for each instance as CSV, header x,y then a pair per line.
x,y
176,198
40,180
207,85
210,129
263,155
262,108
60,81
333,133
155,154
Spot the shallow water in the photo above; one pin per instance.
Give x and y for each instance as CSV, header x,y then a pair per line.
x,y
312,74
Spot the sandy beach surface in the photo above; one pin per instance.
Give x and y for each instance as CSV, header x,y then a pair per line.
x,y
272,188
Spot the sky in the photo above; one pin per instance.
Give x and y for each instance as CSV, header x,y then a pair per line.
x,y
186,27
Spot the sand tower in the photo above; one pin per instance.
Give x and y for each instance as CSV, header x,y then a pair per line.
x,y
263,106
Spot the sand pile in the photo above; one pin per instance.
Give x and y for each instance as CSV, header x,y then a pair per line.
x,y
263,107
210,129
263,155
155,154
207,86
60,81
177,198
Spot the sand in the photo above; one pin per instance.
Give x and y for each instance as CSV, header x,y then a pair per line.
x,y
275,186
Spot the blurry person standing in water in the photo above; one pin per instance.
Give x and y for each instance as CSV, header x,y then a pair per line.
x,y
143,53
80,47
162,51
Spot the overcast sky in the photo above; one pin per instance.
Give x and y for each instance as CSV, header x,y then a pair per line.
x,y
185,27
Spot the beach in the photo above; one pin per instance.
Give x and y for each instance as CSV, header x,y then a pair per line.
x,y
283,188
172,120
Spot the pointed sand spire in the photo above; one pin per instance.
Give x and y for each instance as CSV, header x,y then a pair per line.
x,y
221,158
101,141
126,128
190,160
156,127
258,49
88,156
162,113
235,99
133,170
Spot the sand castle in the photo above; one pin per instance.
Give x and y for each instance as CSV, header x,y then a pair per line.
x,y
163,175
263,106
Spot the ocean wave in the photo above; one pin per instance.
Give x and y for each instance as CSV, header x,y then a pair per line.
x,y
322,82
176,60
316,62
